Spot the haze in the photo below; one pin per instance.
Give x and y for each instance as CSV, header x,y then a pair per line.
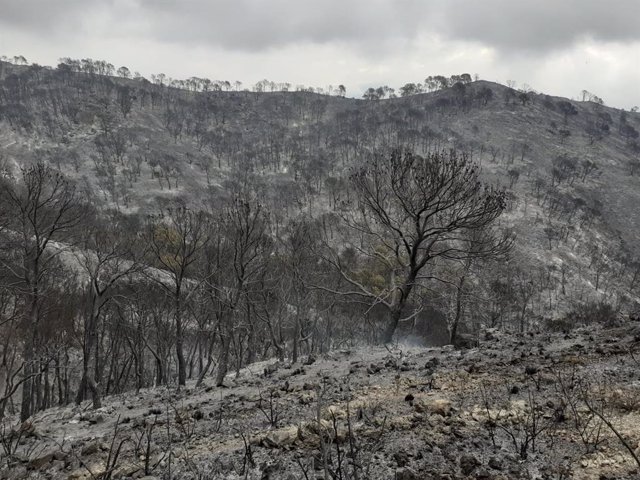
x,y
558,48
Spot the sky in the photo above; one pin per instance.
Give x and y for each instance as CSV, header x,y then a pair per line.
x,y
559,47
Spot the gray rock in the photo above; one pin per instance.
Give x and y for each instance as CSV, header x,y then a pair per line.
x,y
468,463
407,474
495,463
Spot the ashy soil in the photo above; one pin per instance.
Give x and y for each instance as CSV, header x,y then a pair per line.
x,y
533,406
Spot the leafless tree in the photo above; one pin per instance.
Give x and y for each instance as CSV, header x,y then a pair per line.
x,y
175,242
43,209
107,256
233,265
412,210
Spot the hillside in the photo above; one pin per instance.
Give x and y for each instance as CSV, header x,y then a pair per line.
x,y
516,407
290,284
572,167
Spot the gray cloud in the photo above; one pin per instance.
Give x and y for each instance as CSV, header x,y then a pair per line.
x,y
557,46
541,25
257,25
46,16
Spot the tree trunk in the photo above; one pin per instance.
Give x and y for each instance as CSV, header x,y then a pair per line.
x,y
223,364
456,320
394,317
28,358
182,371
296,340
90,361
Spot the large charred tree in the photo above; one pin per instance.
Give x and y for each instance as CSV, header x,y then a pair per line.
x,y
233,266
175,243
412,210
108,256
42,211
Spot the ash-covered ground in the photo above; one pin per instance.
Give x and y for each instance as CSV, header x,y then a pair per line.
x,y
532,406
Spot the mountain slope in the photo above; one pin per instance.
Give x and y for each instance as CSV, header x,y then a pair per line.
x,y
571,167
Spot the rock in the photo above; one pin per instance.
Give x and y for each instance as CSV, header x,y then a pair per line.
x,y
39,462
465,341
90,449
334,412
373,369
92,471
306,398
281,438
60,455
95,419
491,334
432,363
468,463
531,370
401,458
437,406
401,423
407,474
406,367
271,369
495,463
483,474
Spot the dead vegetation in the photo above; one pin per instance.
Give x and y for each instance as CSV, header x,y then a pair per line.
x,y
500,411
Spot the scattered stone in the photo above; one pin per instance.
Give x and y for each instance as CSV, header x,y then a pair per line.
x,y
495,463
306,398
271,369
468,463
39,462
95,419
436,406
281,438
373,369
90,449
407,474
401,458
432,363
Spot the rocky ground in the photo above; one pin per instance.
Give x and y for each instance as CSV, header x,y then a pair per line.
x,y
547,406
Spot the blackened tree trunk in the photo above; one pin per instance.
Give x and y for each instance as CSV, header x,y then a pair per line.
x,y
411,211
42,207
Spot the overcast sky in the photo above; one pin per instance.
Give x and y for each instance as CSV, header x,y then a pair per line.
x,y
558,47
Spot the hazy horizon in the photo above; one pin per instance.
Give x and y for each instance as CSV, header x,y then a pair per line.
x,y
557,49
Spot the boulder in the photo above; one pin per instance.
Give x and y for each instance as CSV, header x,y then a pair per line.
x,y
433,405
90,449
40,462
468,463
282,437
407,474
